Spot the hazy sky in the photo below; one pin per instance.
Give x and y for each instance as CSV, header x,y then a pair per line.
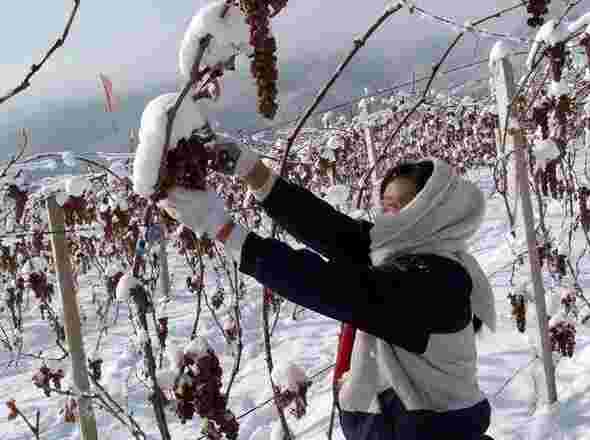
x,y
135,42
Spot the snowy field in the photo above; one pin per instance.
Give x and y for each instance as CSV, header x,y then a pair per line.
x,y
508,371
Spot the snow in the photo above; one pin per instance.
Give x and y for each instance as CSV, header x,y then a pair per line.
x,y
544,151
508,374
152,136
582,21
499,51
75,186
231,36
124,286
558,89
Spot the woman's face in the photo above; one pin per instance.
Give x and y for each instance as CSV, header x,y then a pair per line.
x,y
398,193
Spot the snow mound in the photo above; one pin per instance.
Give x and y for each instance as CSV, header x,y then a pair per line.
x,y
152,136
230,36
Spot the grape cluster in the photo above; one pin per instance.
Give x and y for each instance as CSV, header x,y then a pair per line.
x,y
79,211
230,328
186,165
38,283
585,43
7,260
13,412
70,410
537,8
557,263
548,181
556,54
583,193
518,303
112,281
568,301
563,338
217,299
44,375
20,198
162,330
271,299
197,390
286,397
543,252
264,63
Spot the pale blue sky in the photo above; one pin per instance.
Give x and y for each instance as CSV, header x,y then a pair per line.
x,y
135,42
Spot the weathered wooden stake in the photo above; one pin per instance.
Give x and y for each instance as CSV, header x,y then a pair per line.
x,y
505,89
65,282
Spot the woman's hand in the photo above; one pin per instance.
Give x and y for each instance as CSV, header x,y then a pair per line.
x,y
202,211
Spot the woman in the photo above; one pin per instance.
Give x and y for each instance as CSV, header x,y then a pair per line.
x,y
405,282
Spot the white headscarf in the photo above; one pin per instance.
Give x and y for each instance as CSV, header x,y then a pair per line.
x,y
439,220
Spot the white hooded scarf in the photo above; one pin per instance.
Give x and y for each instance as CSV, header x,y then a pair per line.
x,y
441,218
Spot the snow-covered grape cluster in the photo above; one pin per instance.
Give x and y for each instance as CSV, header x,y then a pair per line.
x,y
197,389
45,376
291,388
563,338
186,165
537,8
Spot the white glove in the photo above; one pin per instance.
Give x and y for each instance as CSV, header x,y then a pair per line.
x,y
202,211
233,158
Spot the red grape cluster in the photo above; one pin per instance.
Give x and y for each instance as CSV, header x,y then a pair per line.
x,y
44,375
583,194
544,252
563,338
71,410
568,301
264,64
286,397
20,198
537,8
585,43
111,283
186,165
162,330
13,411
38,283
549,183
198,390
79,211
271,299
518,303
230,328
556,54
557,263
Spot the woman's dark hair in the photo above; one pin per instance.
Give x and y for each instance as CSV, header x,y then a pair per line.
x,y
417,172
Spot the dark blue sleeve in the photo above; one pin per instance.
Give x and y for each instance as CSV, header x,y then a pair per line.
x,y
402,307
350,293
315,223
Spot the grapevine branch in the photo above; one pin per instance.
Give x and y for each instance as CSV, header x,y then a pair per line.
x,y
358,44
25,84
435,70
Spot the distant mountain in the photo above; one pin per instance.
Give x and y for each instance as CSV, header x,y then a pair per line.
x,y
84,126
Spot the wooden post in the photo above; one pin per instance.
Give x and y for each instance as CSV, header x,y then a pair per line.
x,y
164,273
71,318
372,158
504,81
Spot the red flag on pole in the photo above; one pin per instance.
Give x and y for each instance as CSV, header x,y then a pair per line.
x,y
107,85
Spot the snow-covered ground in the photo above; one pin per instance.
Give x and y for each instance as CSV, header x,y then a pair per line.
x,y
508,371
